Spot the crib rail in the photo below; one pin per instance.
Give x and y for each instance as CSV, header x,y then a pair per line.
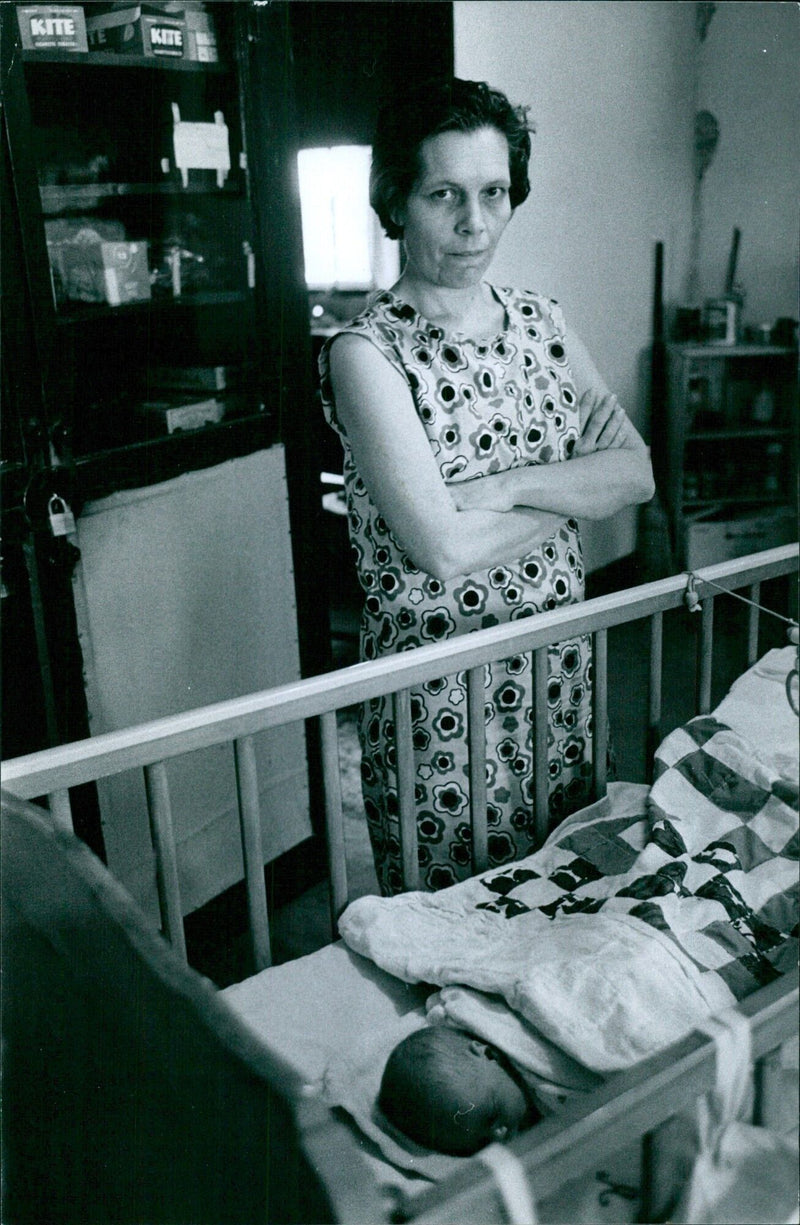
x,y
151,745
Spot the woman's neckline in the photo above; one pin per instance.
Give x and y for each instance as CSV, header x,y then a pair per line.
x,y
500,295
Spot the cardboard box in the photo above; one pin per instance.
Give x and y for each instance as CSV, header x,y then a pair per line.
x,y
185,416
190,378
719,539
112,272
201,36
138,29
52,27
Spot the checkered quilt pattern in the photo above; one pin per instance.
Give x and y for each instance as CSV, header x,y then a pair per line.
x,y
711,863
636,919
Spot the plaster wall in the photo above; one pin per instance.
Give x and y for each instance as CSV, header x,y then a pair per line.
x,y
748,78
611,87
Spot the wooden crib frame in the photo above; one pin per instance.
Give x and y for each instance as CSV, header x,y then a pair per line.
x,y
629,1106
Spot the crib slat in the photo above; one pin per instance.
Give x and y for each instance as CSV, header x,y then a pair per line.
x,y
252,849
654,689
541,803
405,789
600,712
334,816
477,768
706,656
752,624
766,1075
61,809
163,835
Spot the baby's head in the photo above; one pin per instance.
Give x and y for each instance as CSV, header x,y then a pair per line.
x,y
453,1092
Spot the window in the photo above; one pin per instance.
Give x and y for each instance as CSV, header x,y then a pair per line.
x,y
343,245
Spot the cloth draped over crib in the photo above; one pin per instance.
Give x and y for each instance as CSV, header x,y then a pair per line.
x,y
711,1166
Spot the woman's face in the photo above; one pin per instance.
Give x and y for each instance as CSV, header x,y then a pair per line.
x,y
458,209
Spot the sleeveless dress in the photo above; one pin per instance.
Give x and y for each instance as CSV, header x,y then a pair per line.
x,y
487,405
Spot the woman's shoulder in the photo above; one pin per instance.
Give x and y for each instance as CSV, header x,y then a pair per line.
x,y
517,293
531,306
381,321
377,327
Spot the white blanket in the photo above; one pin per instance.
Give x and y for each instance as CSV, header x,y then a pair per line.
x,y
607,989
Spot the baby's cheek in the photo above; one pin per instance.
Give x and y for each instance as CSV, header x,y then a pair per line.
x,y
514,1113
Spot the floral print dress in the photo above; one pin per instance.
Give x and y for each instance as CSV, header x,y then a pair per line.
x,y
487,405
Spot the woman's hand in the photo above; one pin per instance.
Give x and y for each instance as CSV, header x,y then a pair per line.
x,y
605,424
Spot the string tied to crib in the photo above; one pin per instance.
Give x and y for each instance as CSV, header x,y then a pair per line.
x,y
692,601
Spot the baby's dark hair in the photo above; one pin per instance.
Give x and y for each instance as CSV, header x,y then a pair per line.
x,y
446,104
425,1093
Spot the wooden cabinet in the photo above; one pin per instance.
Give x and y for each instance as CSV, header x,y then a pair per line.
x,y
152,248
728,466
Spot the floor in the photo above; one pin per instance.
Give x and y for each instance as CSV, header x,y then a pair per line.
x,y
219,947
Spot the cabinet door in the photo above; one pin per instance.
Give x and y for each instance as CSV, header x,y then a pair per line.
x,y
167,280
186,598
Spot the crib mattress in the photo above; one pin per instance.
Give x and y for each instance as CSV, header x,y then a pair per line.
x,y
312,1009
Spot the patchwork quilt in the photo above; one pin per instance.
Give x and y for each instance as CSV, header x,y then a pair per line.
x,y
624,929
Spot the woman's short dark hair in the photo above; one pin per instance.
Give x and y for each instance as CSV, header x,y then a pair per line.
x,y
447,105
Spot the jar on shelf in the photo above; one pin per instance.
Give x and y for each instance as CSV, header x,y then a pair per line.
x,y
691,486
722,321
772,467
763,409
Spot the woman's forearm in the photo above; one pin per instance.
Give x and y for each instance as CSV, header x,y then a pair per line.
x,y
587,486
478,539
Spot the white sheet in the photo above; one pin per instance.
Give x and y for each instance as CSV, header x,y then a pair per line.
x,y
756,706
319,1008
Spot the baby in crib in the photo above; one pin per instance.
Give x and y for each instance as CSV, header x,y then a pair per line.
x,y
450,1091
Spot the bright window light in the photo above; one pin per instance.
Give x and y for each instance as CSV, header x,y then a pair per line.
x,y
342,244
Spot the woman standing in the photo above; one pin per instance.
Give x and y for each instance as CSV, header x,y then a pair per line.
x,y
475,431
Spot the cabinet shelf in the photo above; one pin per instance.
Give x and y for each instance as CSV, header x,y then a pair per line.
x,y
726,477
79,313
59,198
148,461
744,432
111,59
697,504
712,351
237,421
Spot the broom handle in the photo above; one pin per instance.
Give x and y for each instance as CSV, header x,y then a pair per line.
x,y
732,259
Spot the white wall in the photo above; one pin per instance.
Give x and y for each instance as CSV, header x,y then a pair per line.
x,y
749,78
613,88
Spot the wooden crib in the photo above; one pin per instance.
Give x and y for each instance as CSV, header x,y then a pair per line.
x,y
133,1094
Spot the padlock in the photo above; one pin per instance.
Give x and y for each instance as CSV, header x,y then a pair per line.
x,y
62,520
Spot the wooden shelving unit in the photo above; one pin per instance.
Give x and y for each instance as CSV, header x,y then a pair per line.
x,y
728,471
